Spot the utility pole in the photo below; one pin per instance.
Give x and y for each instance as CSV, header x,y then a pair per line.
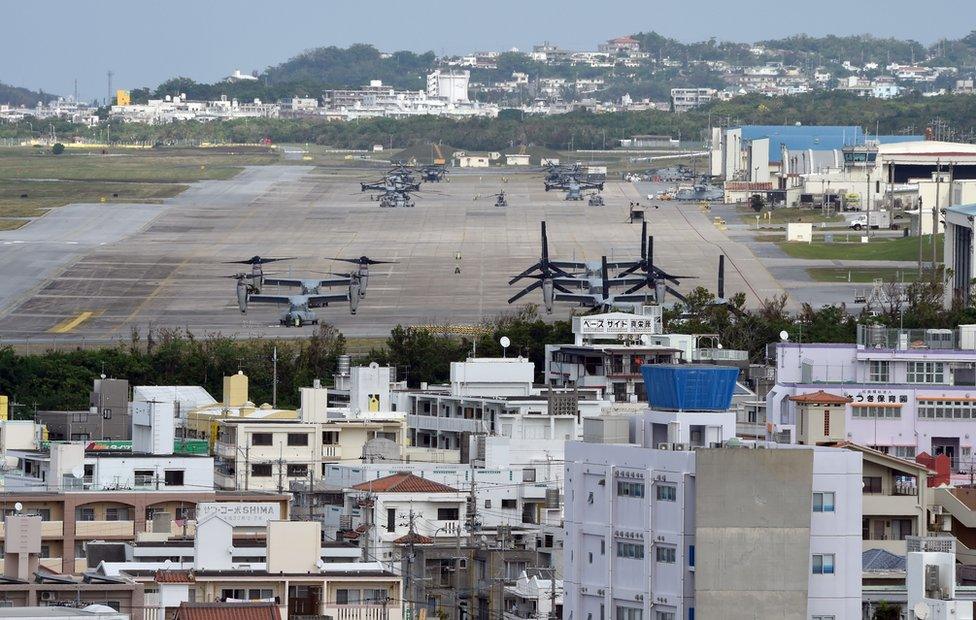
x,y
552,593
408,571
935,209
311,483
919,237
280,470
274,377
868,198
247,467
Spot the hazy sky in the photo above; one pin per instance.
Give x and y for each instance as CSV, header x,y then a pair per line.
x,y
49,45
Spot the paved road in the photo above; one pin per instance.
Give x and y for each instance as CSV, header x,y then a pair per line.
x,y
166,269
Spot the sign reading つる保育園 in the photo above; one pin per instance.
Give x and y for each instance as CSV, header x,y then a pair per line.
x,y
241,514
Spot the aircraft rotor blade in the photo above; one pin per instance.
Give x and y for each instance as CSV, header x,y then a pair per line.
x,y
528,289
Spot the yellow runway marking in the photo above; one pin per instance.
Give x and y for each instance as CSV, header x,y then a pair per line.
x,y
67,325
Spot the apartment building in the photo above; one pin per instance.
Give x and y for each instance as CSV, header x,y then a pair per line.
x,y
270,454
293,576
27,582
727,531
107,418
684,99
402,509
82,495
493,396
902,392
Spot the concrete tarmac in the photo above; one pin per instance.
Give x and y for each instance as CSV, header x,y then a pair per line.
x,y
133,267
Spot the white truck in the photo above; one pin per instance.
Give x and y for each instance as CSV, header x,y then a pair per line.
x,y
878,219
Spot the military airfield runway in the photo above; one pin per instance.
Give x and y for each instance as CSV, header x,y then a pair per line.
x,y
97,272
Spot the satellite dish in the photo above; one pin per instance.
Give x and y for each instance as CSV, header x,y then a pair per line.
x,y
167,563
78,472
921,610
505,342
18,506
784,335
720,346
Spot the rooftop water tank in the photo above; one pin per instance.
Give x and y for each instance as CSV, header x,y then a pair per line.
x,y
689,387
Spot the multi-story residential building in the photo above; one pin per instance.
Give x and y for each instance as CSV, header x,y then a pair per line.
x,y
72,518
402,509
681,533
108,416
113,495
684,99
292,576
270,454
27,582
899,391
493,396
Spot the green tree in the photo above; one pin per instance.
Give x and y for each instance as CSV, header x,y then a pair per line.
x,y
57,149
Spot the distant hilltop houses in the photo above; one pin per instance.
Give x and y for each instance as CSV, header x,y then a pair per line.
x,y
471,85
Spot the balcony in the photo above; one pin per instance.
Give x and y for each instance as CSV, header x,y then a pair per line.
x,y
456,425
362,612
49,529
332,451
719,355
224,481
225,450
52,529
104,529
890,505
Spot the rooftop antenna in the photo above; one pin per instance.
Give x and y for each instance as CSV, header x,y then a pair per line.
x,y
108,100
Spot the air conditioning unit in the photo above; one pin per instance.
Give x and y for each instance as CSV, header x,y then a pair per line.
x,y
663,446
47,596
680,447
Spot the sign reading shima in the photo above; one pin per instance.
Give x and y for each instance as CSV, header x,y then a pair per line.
x,y
240,514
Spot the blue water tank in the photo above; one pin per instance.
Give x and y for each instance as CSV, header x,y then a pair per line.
x,y
689,387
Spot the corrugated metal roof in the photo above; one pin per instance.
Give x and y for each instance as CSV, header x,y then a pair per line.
x,y
228,611
189,396
881,560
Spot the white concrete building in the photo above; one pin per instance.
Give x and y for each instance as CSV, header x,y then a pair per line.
x,y
449,85
496,397
150,465
401,509
678,533
902,392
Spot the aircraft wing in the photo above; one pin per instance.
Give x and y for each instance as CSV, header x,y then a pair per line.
x,y
317,301
282,281
333,282
582,298
269,299
625,280
622,264
562,264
